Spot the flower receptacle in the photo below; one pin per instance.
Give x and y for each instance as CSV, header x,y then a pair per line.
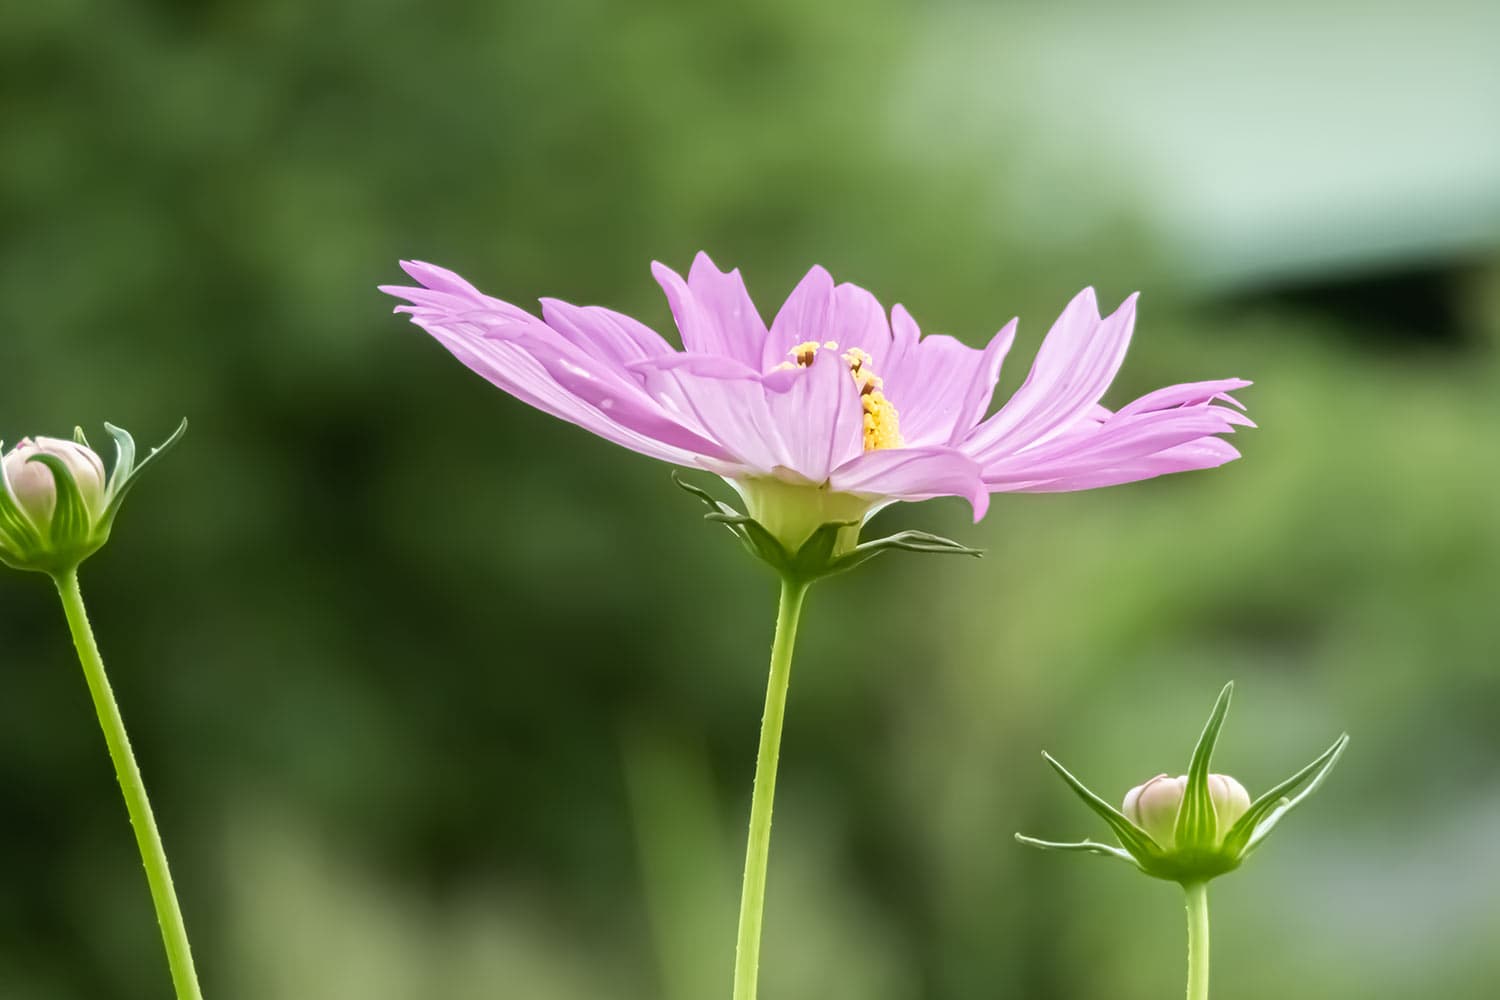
x,y
806,538
792,512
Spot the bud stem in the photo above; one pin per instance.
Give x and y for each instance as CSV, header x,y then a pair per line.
x,y
758,848
148,839
1197,916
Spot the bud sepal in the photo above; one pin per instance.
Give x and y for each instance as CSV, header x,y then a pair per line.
x,y
832,547
57,506
1196,827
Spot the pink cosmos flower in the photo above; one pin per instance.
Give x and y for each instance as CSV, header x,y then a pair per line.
x,y
833,410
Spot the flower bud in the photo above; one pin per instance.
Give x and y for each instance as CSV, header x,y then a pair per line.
x,y
1153,806
34,486
57,506
1219,824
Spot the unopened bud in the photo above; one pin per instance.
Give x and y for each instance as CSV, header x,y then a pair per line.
x,y
57,505
34,486
1153,806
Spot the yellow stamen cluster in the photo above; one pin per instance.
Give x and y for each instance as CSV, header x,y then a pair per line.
x,y
882,423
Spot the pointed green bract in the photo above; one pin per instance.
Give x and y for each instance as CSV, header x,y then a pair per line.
x,y
1081,847
1137,841
1329,759
1197,823
125,447
125,452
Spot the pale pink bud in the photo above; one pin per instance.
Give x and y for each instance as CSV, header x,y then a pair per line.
x,y
1153,806
32,483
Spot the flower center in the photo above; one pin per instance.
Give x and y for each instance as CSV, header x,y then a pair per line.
x,y
882,421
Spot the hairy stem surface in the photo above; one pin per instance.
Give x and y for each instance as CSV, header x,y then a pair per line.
x,y
147,837
758,847
1197,916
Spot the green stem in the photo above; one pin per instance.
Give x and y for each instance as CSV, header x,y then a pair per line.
x,y
758,848
1197,914
153,856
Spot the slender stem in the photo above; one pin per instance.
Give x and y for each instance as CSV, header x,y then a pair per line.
x,y
758,849
1197,914
153,856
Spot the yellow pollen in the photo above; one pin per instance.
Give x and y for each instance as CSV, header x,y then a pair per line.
x,y
882,424
804,353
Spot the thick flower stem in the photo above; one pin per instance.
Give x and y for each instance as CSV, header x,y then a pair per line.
x,y
1197,915
758,849
153,856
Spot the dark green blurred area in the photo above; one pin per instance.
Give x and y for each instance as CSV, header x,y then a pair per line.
x,y
440,698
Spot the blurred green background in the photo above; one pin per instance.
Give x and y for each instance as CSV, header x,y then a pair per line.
x,y
440,698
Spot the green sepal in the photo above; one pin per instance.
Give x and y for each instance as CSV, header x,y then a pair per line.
x,y
70,517
17,534
908,541
1082,847
124,455
819,555
126,471
1197,821
714,504
815,557
1136,841
1265,812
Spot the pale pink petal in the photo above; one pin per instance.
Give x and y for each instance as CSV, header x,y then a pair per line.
x,y
1205,453
513,370
819,416
859,321
806,316
1077,361
713,313
605,334
545,367
1188,394
941,386
1121,440
729,408
741,333
914,474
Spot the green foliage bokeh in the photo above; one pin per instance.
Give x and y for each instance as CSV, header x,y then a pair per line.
x,y
440,698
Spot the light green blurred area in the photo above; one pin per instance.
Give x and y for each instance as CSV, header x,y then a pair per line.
x,y
439,698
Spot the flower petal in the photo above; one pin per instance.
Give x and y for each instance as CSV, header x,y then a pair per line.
x,y
1188,394
1120,441
511,368
1075,365
859,321
741,333
941,386
819,416
713,311
605,334
914,474
1204,453
543,367
730,406
806,315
